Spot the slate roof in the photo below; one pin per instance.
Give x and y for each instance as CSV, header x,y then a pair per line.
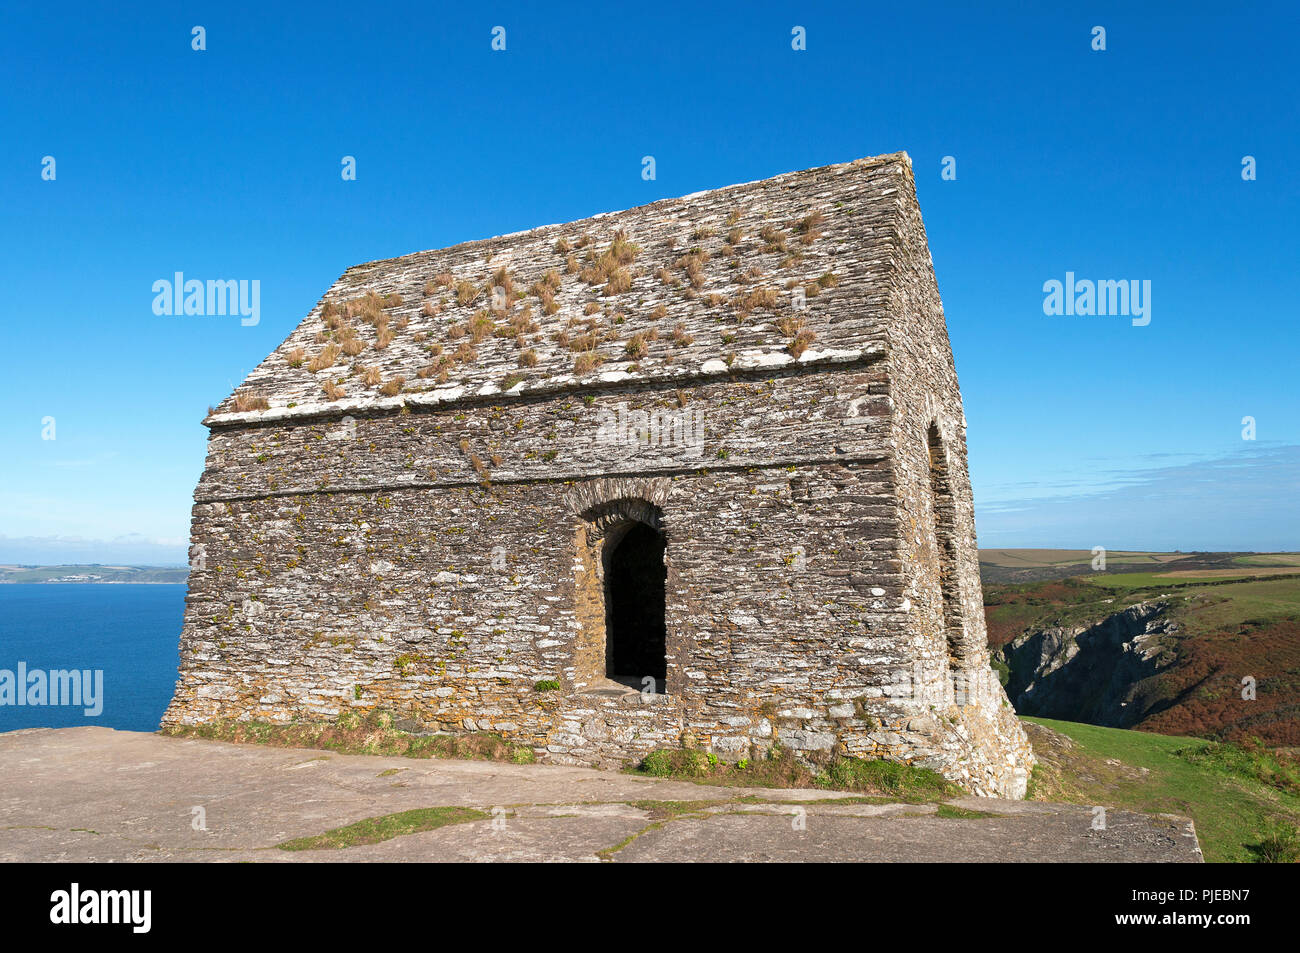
x,y
683,288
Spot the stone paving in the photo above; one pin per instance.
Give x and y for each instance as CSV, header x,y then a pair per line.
x,y
95,794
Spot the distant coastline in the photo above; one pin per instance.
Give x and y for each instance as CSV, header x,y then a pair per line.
x,y
93,574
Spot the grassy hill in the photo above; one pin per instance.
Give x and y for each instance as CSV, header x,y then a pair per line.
x,y
1245,801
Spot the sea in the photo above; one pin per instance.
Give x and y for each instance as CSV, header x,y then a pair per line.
x,y
127,633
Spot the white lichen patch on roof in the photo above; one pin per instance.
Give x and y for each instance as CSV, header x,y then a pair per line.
x,y
784,271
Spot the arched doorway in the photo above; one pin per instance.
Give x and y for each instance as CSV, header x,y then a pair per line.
x,y
635,592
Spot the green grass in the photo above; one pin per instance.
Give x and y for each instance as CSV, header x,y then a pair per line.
x,y
357,733
890,779
670,810
906,782
372,830
952,811
1245,804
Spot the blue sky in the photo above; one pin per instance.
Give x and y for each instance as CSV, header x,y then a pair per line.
x,y
1122,164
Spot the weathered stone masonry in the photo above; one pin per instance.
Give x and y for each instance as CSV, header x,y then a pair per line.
x,y
440,550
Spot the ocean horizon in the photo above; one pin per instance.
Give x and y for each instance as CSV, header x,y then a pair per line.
x,y
129,632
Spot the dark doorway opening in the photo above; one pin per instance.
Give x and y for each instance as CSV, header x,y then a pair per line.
x,y
635,632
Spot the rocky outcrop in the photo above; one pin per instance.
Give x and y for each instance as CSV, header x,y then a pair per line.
x,y
1101,673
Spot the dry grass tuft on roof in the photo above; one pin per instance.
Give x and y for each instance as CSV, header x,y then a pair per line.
x,y
245,402
326,358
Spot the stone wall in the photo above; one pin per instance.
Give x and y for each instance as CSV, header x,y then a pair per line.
x,y
445,595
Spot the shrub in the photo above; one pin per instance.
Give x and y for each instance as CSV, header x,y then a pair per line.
x,y
1281,845
675,763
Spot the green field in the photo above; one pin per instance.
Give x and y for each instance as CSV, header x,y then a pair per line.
x,y
1269,559
1165,582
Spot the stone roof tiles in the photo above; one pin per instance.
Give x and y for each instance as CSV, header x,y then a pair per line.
x,y
792,269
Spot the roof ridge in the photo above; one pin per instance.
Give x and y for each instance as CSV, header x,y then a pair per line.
x,y
865,162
